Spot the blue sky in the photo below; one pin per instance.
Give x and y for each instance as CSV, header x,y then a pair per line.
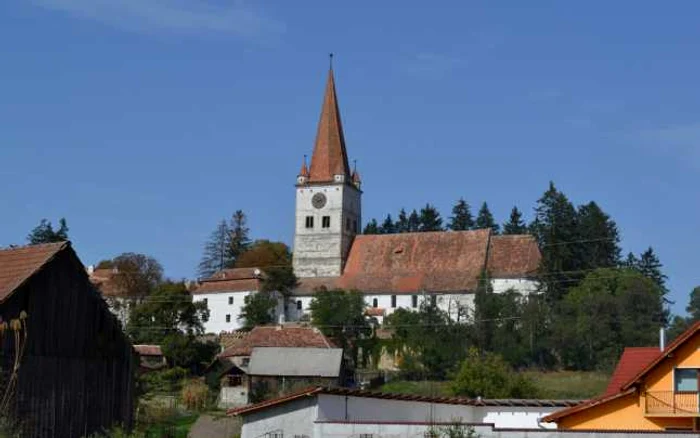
x,y
144,122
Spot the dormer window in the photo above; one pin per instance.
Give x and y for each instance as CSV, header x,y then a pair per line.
x,y
339,178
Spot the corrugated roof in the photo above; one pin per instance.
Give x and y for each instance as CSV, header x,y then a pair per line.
x,y
277,336
18,264
313,391
292,361
430,262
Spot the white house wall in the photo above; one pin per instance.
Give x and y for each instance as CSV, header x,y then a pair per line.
x,y
293,418
523,286
510,417
342,408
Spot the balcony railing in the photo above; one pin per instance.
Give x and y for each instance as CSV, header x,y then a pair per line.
x,y
672,404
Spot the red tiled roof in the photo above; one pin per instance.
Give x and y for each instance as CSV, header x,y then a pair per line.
x,y
634,364
231,280
103,279
513,256
18,264
680,340
374,311
632,361
148,350
312,391
434,261
585,405
330,157
277,336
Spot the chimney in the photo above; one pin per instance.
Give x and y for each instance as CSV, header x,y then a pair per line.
x,y
91,269
662,339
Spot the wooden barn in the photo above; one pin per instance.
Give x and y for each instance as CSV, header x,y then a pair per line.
x,y
67,367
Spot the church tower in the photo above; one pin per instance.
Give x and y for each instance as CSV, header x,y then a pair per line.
x,y
328,208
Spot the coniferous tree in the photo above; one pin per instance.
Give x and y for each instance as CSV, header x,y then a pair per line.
x,y
413,222
372,227
216,251
388,226
485,219
515,224
401,225
461,218
631,261
239,240
44,232
555,229
429,219
599,239
650,266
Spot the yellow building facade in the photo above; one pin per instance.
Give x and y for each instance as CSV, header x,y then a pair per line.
x,y
664,394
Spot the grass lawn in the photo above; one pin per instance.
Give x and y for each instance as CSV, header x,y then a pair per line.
x,y
552,385
569,384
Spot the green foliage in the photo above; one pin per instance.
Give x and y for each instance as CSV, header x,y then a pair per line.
x,y
554,228
679,324
461,218
168,317
216,255
484,219
195,395
611,309
387,226
455,430
162,381
340,315
599,238
225,245
576,385
488,375
238,241
372,227
137,275
401,225
44,232
515,224
265,254
258,310
415,337
429,219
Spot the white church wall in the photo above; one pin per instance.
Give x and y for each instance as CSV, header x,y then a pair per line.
x,y
524,286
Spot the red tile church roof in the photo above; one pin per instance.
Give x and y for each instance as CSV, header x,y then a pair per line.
x,y
430,262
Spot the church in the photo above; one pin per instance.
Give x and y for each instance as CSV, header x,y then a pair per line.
x,y
391,270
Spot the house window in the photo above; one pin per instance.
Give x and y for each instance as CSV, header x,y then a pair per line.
x,y
309,221
205,301
299,306
245,361
375,303
326,222
230,300
275,434
686,380
414,301
235,380
433,300
366,435
393,301
228,318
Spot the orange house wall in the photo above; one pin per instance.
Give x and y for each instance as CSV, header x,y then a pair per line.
x,y
627,413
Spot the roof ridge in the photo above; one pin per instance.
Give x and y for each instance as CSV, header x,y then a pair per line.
x,y
34,245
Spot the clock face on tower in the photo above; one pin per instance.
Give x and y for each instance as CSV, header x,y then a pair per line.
x,y
318,200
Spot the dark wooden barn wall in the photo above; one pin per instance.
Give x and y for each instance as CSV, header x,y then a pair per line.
x,y
76,376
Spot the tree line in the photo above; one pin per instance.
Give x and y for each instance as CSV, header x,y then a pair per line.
x,y
428,218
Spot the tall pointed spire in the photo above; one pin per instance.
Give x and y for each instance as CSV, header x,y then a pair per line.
x,y
330,157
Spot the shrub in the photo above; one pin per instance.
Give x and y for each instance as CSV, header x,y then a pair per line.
x,y
194,395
